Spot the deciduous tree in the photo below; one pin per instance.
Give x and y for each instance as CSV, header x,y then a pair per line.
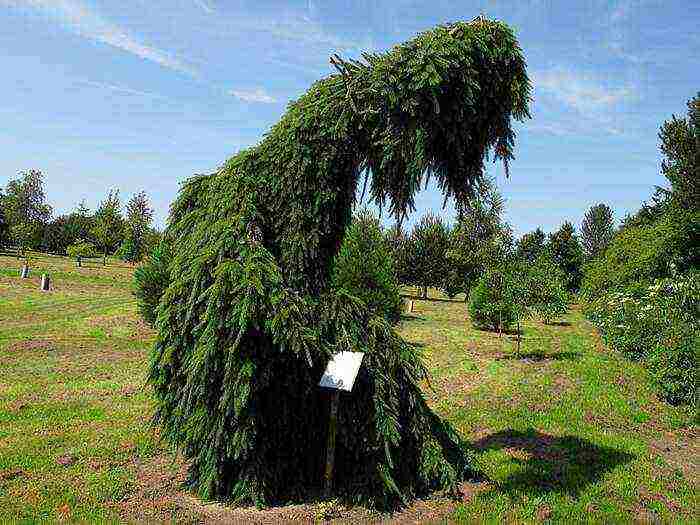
x,y
26,209
108,227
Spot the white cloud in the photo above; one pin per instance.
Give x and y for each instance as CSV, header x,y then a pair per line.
x,y
257,95
580,91
119,89
85,21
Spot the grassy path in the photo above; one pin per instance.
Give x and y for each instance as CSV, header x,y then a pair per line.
x,y
563,431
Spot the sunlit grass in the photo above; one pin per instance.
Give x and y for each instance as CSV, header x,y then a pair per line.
x,y
563,430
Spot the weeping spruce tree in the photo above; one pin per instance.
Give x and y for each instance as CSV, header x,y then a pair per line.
x,y
249,318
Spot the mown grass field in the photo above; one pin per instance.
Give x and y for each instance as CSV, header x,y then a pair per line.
x,y
563,431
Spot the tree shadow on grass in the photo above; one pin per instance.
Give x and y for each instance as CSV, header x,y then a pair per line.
x,y
540,356
549,463
431,299
504,332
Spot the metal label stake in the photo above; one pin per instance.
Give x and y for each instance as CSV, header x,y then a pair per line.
x,y
340,375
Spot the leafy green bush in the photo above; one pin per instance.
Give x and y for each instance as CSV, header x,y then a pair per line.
x,y
364,267
642,253
151,280
673,363
546,293
659,325
491,301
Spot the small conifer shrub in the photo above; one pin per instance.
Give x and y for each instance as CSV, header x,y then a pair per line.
x,y
365,268
151,279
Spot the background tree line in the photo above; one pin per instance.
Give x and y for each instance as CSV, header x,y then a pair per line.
x,y
452,257
27,223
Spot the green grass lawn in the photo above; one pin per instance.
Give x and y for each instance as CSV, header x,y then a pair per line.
x,y
563,431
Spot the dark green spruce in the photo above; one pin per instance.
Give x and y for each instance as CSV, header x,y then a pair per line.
x,y
249,318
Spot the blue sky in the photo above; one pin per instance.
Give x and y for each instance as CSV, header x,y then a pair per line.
x,y
141,94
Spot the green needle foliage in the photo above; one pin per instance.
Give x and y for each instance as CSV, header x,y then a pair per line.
x,y
152,278
250,318
365,267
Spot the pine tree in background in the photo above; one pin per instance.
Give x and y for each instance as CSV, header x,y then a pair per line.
x,y
597,230
365,268
680,145
250,319
137,228
151,279
79,224
531,245
429,243
480,230
565,249
400,247
108,224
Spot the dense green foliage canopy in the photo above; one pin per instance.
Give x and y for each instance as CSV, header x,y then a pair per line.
x,y
81,248
494,301
531,245
427,249
640,254
249,319
365,267
564,247
25,208
479,236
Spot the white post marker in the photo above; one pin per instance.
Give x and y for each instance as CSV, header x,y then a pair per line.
x,y
340,374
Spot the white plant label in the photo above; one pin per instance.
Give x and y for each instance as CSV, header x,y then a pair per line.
x,y
342,370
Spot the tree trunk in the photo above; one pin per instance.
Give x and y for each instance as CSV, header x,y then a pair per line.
x,y
424,292
104,258
78,262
